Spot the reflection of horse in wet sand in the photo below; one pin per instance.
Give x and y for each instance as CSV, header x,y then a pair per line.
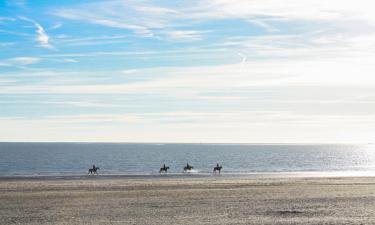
x,y
93,170
164,168
217,168
188,167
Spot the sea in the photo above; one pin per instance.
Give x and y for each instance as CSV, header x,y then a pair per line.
x,y
74,159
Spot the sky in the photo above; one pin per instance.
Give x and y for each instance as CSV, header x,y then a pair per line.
x,y
201,71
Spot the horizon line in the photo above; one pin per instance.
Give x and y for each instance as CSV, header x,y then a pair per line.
x,y
196,143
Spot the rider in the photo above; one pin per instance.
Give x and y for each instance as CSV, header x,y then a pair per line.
x,y
93,167
217,164
164,166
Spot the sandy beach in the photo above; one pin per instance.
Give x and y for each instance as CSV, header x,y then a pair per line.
x,y
215,200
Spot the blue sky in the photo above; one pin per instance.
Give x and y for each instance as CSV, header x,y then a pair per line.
x,y
187,71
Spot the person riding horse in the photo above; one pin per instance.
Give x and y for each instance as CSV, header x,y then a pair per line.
x,y
217,168
93,170
164,168
188,167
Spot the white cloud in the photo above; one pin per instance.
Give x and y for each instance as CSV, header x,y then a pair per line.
x,y
97,40
145,18
2,19
24,60
185,35
182,81
116,14
56,26
70,60
263,24
220,127
288,9
20,61
42,37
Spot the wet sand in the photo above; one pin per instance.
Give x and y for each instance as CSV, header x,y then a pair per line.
x,y
216,200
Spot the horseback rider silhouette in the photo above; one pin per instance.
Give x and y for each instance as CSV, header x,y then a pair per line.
x,y
164,168
93,170
217,168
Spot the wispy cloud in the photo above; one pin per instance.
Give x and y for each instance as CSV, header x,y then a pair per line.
x,y
17,3
2,19
96,40
143,18
70,60
245,126
56,26
263,24
114,14
19,61
182,81
185,35
42,37
333,10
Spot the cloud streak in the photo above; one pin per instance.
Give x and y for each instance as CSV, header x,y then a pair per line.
x,y
41,36
20,61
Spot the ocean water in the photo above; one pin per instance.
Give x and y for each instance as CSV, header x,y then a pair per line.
x,y
146,159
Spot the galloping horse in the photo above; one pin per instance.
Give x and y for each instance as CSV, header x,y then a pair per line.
x,y
164,168
217,168
93,170
188,167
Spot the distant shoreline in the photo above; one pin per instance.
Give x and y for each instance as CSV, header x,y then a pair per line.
x,y
250,175
186,143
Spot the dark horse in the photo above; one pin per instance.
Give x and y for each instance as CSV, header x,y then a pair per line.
x,y
188,167
93,170
217,168
164,168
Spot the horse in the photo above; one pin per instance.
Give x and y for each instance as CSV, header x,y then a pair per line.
x,y
188,167
217,168
93,170
164,168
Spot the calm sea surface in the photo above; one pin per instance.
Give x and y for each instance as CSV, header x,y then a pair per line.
x,y
146,159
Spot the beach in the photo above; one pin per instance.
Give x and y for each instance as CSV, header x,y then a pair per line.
x,y
214,200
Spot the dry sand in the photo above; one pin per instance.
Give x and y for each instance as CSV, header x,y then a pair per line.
x,y
189,201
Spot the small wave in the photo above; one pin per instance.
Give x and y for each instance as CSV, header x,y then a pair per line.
x,y
192,171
